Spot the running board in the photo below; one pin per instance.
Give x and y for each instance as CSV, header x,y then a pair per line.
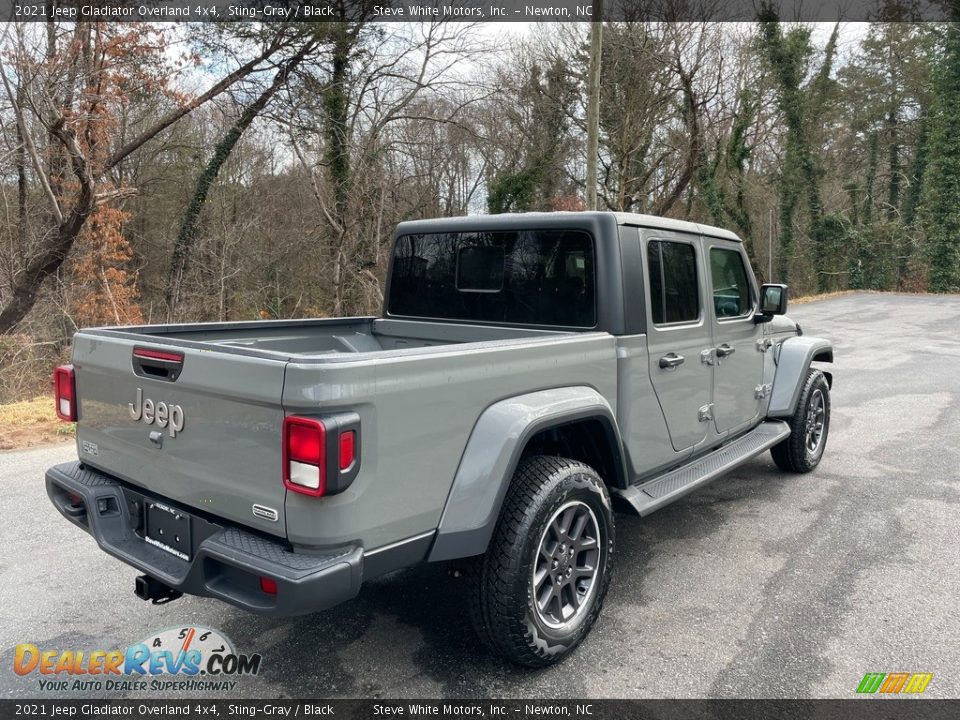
x,y
654,494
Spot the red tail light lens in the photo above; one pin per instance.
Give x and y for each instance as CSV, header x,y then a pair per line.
x,y
65,393
348,449
304,458
305,441
268,585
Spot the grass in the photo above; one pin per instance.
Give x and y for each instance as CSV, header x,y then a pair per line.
x,y
822,296
31,422
840,293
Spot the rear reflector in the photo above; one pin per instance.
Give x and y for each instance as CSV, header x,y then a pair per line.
x,y
145,353
65,393
268,585
304,458
348,449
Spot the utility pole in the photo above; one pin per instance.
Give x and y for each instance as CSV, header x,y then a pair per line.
x,y
593,102
770,246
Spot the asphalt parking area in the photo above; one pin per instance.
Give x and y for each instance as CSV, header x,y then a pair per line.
x,y
760,585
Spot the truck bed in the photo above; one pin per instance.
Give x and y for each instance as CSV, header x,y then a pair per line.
x,y
417,386
322,338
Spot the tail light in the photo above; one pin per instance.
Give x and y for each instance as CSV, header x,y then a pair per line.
x,y
321,456
304,469
65,393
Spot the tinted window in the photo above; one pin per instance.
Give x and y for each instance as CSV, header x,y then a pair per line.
x,y
480,269
674,292
524,277
656,282
731,285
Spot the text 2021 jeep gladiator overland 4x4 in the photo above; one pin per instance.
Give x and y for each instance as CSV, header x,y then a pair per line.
x,y
529,373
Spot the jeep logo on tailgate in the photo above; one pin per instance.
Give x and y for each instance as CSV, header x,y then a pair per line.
x,y
164,415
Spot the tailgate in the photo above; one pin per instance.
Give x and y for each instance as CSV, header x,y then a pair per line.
x,y
206,433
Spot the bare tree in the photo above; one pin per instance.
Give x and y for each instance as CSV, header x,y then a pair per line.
x,y
71,96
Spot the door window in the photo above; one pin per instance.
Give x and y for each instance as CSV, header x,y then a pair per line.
x,y
674,289
731,284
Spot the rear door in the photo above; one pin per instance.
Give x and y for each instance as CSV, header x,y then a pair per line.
x,y
739,360
205,432
678,334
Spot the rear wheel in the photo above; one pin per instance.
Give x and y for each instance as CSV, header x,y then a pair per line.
x,y
540,587
802,450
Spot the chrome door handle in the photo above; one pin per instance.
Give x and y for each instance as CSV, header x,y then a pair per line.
x,y
671,360
725,350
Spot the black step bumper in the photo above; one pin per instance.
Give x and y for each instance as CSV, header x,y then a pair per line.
x,y
227,562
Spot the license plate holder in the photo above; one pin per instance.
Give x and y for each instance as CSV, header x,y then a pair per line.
x,y
168,529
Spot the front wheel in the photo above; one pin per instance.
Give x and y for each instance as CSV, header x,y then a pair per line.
x,y
801,451
540,587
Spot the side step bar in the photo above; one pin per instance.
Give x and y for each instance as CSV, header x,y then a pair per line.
x,y
654,494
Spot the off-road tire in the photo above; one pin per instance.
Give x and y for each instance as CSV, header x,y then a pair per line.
x,y
793,453
504,608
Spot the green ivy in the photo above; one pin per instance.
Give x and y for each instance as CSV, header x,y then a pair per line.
x,y
941,192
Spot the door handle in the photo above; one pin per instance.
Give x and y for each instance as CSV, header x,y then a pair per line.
x,y
671,360
725,350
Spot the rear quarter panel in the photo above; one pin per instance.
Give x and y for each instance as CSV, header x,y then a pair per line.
x,y
417,411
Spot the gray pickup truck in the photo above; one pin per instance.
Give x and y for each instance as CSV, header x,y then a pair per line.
x,y
529,374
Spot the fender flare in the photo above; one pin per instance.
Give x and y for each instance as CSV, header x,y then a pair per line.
x,y
793,361
491,457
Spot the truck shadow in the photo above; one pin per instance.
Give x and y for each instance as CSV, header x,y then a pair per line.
x,y
408,634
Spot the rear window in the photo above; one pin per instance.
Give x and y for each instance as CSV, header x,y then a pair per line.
x,y
523,277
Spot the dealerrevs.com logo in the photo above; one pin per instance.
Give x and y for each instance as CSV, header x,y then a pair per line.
x,y
187,658
894,683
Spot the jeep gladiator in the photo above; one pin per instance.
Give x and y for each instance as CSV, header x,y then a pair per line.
x,y
529,375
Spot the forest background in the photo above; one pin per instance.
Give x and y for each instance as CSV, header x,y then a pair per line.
x,y
177,172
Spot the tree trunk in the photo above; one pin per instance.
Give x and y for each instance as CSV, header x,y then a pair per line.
x,y
593,103
692,122
788,203
917,171
46,262
893,193
19,242
49,260
872,161
336,107
188,229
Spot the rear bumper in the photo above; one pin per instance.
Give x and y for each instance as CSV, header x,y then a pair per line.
x,y
226,563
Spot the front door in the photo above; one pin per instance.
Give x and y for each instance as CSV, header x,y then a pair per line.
x,y
738,371
678,334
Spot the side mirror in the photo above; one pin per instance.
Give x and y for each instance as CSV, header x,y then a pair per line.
x,y
773,301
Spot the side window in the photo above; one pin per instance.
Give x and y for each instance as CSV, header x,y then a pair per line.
x,y
731,284
674,289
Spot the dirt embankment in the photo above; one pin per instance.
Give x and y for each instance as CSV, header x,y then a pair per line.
x,y
31,422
